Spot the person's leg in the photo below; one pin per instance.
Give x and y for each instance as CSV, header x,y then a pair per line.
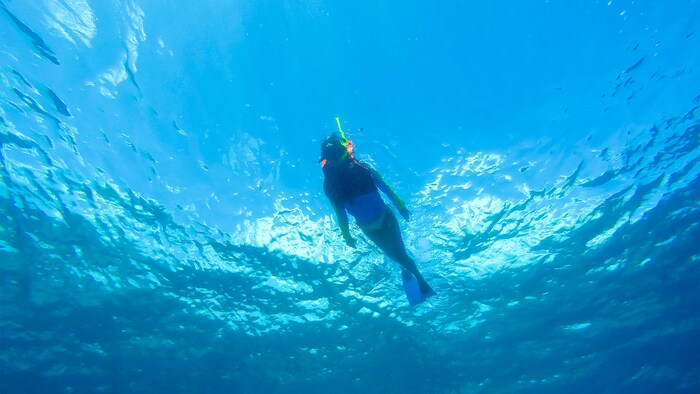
x,y
389,240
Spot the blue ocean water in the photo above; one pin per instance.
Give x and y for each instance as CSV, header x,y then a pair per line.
x,y
164,227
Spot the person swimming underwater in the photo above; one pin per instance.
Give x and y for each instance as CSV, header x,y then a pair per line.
x,y
353,187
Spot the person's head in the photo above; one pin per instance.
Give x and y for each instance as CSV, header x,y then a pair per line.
x,y
335,149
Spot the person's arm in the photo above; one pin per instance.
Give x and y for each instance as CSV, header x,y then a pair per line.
x,y
342,216
384,187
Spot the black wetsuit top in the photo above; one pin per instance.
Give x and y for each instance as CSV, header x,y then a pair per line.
x,y
353,187
347,181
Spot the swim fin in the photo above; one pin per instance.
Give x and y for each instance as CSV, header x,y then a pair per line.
x,y
411,288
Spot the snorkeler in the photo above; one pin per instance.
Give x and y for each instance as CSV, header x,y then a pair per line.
x,y
353,186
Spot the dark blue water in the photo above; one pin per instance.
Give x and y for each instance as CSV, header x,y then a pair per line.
x,y
163,226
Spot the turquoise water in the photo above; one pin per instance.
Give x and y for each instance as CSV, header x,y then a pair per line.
x,y
164,227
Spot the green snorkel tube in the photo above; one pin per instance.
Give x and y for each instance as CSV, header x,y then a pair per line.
x,y
347,142
342,134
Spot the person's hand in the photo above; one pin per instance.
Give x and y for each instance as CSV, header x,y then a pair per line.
x,y
405,212
351,242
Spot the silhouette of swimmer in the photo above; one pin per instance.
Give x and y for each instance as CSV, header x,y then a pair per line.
x,y
353,187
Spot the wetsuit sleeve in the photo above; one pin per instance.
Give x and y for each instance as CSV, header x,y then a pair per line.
x,y
342,216
340,213
382,185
